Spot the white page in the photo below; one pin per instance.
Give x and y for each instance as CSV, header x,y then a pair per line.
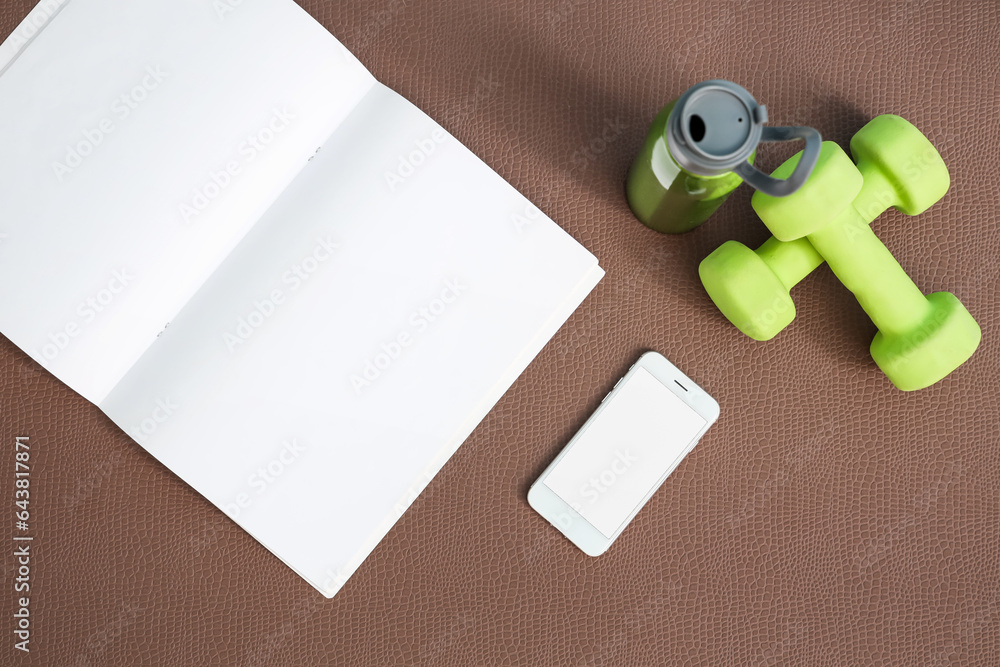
x,y
450,239
321,362
99,244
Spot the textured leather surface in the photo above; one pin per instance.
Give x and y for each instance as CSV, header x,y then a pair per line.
x,y
827,519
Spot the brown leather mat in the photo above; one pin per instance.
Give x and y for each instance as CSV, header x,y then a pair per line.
x,y
826,519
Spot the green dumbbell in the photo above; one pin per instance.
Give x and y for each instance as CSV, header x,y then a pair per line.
x,y
751,287
921,339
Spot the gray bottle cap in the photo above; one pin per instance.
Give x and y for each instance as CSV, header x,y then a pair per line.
x,y
716,126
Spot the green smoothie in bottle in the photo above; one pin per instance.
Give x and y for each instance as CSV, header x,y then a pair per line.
x,y
699,149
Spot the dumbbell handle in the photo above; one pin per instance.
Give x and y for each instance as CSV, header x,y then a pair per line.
x,y
791,261
865,266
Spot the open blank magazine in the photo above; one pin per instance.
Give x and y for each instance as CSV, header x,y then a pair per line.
x,y
279,277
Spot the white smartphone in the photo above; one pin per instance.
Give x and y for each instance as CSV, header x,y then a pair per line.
x,y
643,428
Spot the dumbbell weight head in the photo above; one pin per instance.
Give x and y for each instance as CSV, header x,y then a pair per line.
x,y
831,188
915,177
751,288
898,168
747,291
944,341
751,295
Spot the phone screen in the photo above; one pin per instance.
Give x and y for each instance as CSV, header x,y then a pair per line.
x,y
624,451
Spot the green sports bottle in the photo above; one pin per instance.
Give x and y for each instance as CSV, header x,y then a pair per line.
x,y
700,148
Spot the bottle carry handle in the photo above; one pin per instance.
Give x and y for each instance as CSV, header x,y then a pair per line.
x,y
777,187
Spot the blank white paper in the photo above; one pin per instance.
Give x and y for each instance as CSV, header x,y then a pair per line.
x,y
311,345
